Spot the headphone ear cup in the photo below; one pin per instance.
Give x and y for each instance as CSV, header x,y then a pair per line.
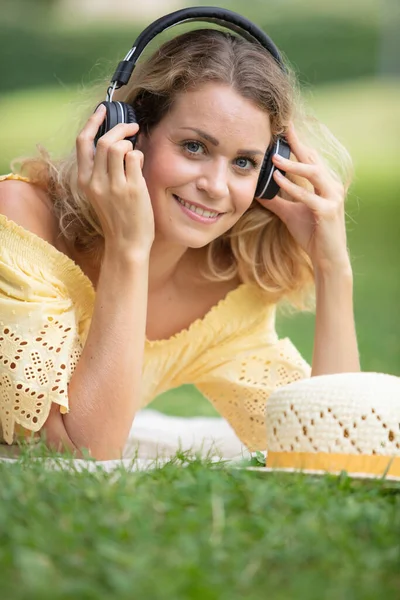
x,y
130,117
116,112
267,188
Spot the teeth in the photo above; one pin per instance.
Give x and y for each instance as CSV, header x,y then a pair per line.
x,y
204,213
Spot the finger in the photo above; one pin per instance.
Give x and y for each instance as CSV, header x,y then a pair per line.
x,y
303,153
116,164
133,166
116,134
297,192
279,206
316,174
85,147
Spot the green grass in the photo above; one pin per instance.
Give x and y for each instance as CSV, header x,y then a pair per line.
x,y
196,530
47,116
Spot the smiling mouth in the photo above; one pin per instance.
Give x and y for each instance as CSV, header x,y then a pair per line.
x,y
196,209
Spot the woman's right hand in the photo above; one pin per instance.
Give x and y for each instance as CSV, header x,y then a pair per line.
x,y
112,180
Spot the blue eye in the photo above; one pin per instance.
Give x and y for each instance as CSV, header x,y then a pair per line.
x,y
246,163
242,162
192,147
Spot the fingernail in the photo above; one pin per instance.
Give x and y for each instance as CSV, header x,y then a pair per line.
x,y
278,157
100,108
278,173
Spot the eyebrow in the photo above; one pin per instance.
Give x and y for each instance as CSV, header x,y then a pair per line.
x,y
215,142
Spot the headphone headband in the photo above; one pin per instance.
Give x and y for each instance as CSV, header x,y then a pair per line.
x,y
220,16
121,112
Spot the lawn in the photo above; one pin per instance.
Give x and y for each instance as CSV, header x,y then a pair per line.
x,y
199,531
211,531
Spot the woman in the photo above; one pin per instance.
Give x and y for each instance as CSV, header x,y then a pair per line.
x,y
126,272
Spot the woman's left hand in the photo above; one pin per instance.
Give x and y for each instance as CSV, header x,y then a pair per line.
x,y
315,218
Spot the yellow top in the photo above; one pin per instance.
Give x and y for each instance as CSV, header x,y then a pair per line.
x,y
233,355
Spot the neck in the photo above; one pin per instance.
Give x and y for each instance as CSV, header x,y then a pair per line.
x,y
171,266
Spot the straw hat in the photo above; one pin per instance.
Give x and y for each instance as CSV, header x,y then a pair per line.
x,y
346,421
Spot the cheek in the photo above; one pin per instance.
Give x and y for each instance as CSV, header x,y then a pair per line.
x,y
166,169
245,194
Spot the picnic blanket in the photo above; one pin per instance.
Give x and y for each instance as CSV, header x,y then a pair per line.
x,y
155,438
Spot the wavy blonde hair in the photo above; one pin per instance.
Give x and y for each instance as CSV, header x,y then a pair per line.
x,y
259,247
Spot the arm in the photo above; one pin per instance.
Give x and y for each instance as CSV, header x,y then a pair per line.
x,y
104,390
335,341
316,220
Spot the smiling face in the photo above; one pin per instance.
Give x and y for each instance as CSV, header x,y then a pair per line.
x,y
206,151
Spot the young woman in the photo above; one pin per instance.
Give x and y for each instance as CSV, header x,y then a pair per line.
x,y
126,272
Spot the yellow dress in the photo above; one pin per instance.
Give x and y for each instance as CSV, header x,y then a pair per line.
x,y
232,355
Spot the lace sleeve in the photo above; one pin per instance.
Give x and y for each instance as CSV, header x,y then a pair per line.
x,y
238,385
37,358
45,312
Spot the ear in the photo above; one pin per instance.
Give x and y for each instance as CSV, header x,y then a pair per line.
x,y
140,141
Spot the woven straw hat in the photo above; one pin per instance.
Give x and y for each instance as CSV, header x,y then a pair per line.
x,y
347,421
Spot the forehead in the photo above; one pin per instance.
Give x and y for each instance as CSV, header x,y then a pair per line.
x,y
221,111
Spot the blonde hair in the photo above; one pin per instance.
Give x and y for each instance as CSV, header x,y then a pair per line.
x,y
259,247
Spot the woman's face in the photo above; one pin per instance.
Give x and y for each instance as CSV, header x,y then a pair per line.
x,y
206,151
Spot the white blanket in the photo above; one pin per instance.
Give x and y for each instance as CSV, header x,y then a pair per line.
x,y
155,434
155,438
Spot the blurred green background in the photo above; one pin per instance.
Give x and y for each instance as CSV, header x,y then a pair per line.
x,y
346,55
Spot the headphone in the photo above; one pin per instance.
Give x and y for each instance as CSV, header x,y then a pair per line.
x,y
122,112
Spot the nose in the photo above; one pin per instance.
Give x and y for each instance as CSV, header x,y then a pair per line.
x,y
213,179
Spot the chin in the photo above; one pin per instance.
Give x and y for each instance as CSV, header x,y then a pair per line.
x,y
175,231
189,239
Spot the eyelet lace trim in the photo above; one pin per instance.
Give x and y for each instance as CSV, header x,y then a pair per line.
x,y
32,376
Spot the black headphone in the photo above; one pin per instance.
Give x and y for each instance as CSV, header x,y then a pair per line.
x,y
121,112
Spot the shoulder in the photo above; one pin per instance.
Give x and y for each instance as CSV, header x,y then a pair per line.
x,y
29,206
